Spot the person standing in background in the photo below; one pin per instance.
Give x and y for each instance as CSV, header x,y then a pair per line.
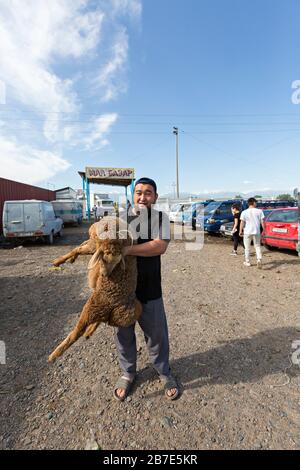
x,y
251,221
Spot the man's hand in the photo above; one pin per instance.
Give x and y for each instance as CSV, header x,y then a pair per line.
x,y
126,250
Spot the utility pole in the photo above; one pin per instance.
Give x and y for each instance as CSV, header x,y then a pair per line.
x,y
174,186
175,132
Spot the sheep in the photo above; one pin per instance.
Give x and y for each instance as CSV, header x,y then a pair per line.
x,y
112,278
88,247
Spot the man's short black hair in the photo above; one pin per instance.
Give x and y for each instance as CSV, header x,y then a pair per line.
x,y
146,180
236,206
251,201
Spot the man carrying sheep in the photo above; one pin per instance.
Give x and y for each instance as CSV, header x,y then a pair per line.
x,y
153,319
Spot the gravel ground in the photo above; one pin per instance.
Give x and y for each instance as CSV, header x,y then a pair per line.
x,y
231,331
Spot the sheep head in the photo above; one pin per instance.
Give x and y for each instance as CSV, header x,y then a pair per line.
x,y
111,237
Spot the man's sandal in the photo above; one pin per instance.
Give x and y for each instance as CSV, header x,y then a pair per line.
x,y
169,384
124,384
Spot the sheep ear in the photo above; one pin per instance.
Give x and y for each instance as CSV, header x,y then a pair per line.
x,y
123,263
96,258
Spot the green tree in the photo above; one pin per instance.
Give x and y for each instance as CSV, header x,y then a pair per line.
x,y
285,197
257,196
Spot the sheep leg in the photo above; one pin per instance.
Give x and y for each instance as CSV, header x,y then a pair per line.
x,y
90,330
78,331
70,339
86,248
86,324
138,308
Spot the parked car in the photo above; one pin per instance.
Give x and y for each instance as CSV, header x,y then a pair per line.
x,y
69,210
177,211
217,213
30,219
226,229
281,229
196,209
277,204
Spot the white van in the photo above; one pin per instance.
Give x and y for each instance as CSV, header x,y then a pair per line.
x,y
104,207
69,210
177,211
30,219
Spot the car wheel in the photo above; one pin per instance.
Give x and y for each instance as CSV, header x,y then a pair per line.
x,y
50,239
269,247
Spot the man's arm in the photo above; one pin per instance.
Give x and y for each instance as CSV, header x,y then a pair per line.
x,y
152,248
242,227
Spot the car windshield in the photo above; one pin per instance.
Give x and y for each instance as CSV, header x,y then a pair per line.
x,y
289,216
175,207
107,203
211,207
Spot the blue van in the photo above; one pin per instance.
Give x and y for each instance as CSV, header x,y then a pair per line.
x,y
217,213
189,216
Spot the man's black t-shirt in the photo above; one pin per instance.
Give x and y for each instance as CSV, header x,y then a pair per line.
x,y
149,267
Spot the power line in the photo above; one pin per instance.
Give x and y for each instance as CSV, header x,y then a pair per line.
x,y
246,131
237,158
167,123
6,107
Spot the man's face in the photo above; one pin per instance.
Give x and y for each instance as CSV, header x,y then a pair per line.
x,y
144,196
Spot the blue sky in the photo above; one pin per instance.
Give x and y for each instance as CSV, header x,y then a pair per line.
x,y
102,83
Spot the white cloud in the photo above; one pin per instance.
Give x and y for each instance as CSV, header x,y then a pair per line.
x,y
33,36
28,164
93,134
101,127
110,77
132,7
247,182
45,44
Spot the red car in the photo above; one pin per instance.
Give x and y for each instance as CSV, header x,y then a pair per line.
x,y
281,228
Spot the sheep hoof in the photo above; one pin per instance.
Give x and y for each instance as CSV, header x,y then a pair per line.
x,y
51,358
56,262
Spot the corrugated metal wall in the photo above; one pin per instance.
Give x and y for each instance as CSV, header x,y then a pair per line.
x,y
14,191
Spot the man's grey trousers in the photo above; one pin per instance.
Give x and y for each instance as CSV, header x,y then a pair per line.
x,y
154,326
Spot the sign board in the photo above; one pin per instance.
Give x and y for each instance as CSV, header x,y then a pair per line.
x,y
109,173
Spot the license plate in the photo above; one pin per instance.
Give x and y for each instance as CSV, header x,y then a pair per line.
x,y
279,230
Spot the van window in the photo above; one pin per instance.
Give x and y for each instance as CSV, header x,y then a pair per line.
x,y
225,209
49,214
15,211
211,207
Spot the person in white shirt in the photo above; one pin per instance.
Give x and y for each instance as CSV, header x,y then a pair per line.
x,y
251,221
98,211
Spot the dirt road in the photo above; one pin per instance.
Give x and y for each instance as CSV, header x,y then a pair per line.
x,y
231,333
